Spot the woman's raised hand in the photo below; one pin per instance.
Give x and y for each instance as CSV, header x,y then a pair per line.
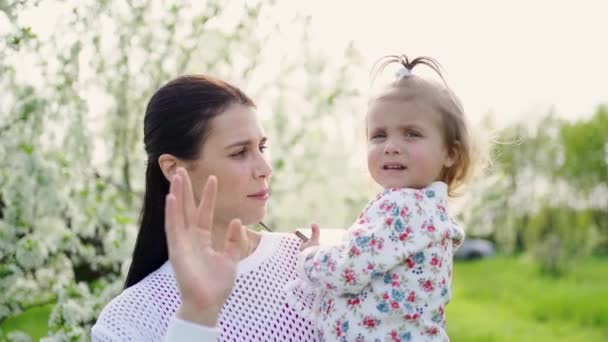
x,y
205,276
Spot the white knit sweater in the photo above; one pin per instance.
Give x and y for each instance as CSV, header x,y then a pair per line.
x,y
256,309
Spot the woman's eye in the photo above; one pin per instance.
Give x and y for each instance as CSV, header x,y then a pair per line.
x,y
240,153
378,136
263,148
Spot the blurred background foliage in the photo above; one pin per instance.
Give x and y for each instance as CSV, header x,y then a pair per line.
x,y
72,163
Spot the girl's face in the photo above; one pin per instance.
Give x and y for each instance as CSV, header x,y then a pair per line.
x,y
405,144
234,152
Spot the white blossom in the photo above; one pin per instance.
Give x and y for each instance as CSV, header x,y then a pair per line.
x,y
31,252
72,169
18,336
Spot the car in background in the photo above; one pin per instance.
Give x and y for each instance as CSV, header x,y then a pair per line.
x,y
471,249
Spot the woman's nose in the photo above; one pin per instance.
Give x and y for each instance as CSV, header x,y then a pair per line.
x,y
263,168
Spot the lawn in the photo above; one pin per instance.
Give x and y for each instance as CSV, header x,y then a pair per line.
x,y
508,300
501,299
33,322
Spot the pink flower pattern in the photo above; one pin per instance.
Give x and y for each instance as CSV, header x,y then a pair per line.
x,y
390,280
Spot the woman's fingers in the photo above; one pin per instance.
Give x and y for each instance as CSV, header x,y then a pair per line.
x,y
176,191
234,236
207,205
171,230
189,205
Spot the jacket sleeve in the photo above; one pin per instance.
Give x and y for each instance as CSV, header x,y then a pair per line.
x,y
393,227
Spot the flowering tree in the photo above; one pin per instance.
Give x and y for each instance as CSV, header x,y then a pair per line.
x,y
71,158
547,191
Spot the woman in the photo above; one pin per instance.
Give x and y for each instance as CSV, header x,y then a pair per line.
x,y
205,146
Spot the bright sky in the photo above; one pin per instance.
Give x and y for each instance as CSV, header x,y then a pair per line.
x,y
513,58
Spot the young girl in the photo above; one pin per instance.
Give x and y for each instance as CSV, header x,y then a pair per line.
x,y
390,280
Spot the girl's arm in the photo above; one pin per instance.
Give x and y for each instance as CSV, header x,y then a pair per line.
x,y
393,227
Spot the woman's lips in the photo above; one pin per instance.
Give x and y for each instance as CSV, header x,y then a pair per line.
x,y
261,195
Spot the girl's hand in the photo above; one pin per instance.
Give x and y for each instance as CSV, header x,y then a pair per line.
x,y
204,276
314,239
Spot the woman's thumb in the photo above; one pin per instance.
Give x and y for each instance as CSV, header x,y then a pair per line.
x,y
234,236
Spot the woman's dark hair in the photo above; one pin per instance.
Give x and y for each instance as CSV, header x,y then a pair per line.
x,y
176,122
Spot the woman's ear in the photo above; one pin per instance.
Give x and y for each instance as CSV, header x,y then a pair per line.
x,y
168,164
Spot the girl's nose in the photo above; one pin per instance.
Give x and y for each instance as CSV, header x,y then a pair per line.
x,y
391,148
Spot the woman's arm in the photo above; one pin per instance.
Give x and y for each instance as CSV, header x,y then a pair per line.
x,y
390,230
204,276
178,331
185,331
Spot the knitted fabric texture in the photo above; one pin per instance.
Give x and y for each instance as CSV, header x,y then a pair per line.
x,y
256,309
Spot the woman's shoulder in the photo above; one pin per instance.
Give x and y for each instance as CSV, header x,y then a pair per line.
x,y
280,243
142,310
274,248
274,239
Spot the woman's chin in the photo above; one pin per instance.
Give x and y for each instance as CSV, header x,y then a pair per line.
x,y
254,218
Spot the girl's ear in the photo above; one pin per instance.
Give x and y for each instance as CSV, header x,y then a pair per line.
x,y
453,155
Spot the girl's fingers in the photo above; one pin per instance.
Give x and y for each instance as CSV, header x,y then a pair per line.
x,y
316,233
207,205
234,236
188,198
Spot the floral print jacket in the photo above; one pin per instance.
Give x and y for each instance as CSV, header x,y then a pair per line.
x,y
390,280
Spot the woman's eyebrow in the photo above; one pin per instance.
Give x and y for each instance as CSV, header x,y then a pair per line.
x,y
239,143
246,142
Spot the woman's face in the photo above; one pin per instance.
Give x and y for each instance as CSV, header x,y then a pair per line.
x,y
234,152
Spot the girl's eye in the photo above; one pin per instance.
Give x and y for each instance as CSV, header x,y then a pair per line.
x,y
263,148
378,136
412,134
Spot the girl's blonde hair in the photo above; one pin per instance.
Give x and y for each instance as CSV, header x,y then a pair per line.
x,y
456,129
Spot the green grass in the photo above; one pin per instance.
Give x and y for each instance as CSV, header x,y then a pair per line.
x,y
33,322
500,299
506,299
